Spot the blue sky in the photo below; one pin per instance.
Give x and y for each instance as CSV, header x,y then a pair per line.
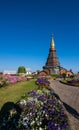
x,y
26,28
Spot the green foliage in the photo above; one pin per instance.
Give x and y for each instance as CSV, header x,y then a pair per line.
x,y
3,83
55,75
21,69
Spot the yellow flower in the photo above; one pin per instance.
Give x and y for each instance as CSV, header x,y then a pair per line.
x,y
39,91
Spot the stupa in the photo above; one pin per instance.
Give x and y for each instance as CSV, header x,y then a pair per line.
x,y
52,63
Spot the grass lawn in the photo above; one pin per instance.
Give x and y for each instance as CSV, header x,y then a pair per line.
x,y
14,92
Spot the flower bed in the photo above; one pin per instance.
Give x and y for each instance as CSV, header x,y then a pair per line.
x,y
42,82
11,80
72,82
40,110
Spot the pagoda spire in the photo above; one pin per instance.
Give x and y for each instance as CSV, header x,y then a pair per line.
x,y
52,42
52,63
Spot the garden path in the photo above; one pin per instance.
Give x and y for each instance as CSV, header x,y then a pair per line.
x,y
69,95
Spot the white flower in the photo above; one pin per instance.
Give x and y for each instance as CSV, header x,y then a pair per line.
x,y
25,118
43,112
30,113
40,128
32,122
12,112
23,102
36,100
55,124
30,99
41,103
46,115
40,122
60,102
36,119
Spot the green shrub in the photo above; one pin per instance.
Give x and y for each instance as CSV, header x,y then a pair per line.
x,y
21,69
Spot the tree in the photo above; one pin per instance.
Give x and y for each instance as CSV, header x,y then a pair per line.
x,y
21,69
64,75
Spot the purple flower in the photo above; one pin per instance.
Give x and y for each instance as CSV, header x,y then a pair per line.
x,y
33,93
51,126
42,81
42,98
50,101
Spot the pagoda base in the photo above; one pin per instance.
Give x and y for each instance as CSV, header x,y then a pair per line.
x,y
52,70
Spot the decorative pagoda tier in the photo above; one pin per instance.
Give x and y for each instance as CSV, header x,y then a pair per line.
x,y
52,61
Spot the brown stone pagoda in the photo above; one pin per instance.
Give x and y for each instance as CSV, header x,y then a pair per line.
x,y
52,63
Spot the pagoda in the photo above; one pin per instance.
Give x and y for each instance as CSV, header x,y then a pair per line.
x,y
52,63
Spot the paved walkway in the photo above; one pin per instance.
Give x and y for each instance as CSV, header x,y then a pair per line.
x,y
69,95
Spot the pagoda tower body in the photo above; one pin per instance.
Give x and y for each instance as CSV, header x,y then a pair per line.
x,y
52,63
